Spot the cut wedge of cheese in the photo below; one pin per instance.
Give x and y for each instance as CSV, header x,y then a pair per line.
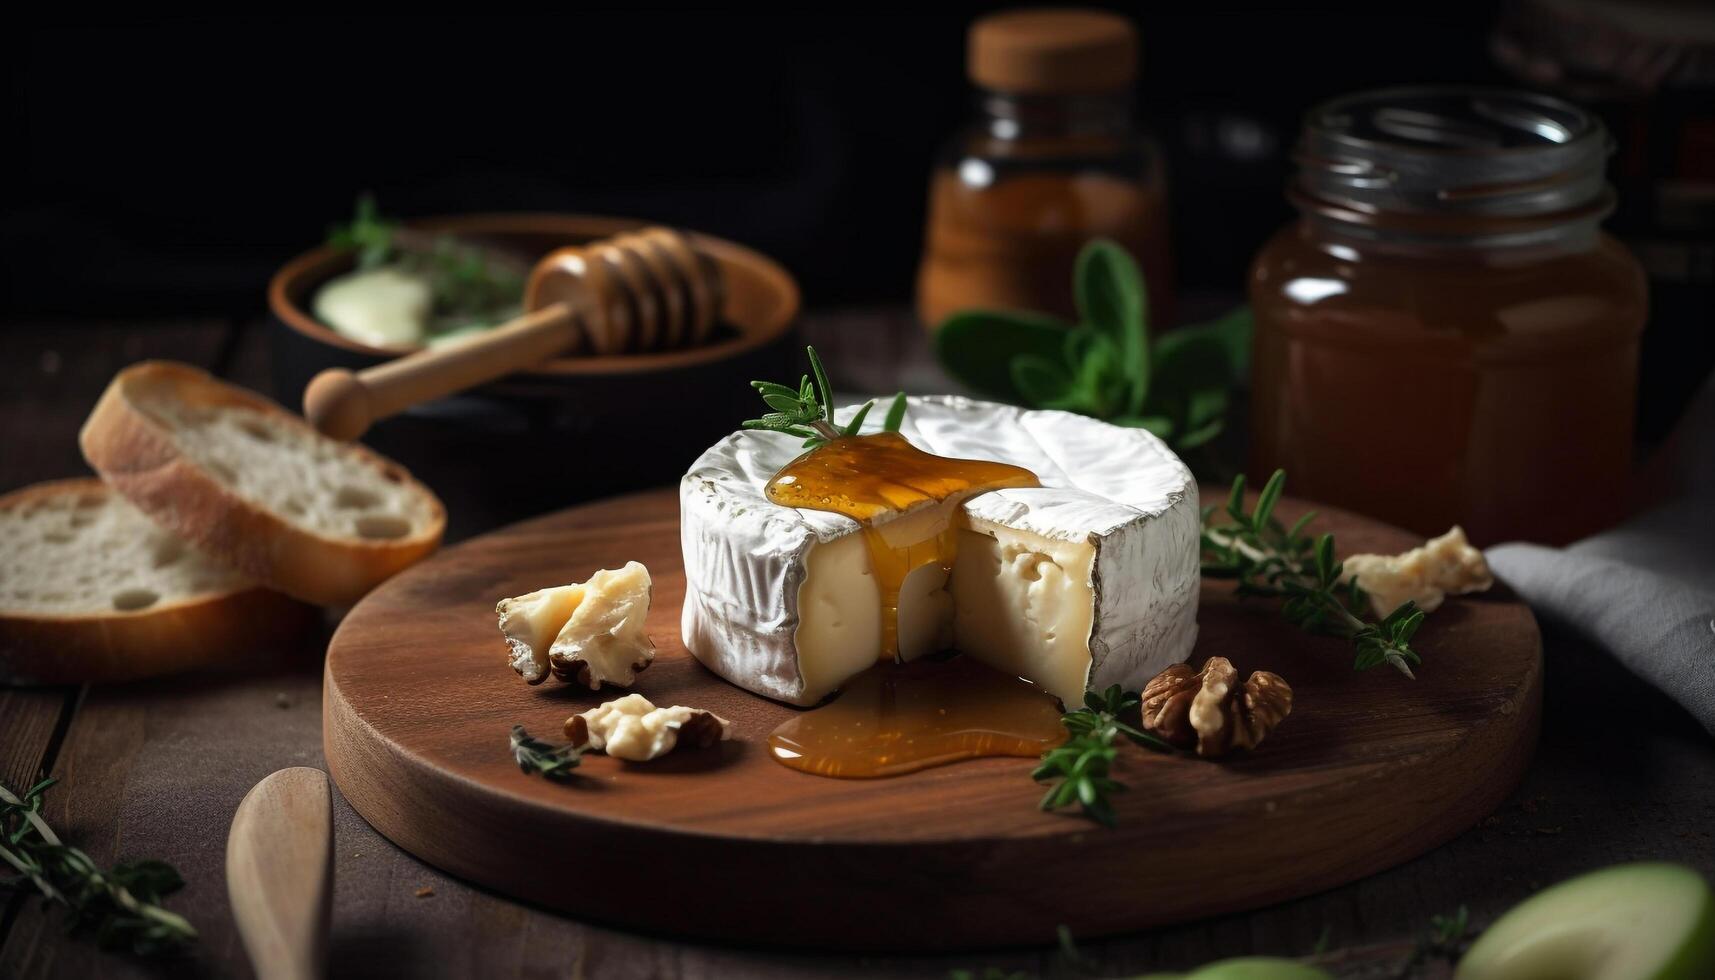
x,y
1087,581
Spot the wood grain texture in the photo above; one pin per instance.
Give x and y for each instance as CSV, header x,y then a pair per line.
x,y
31,717
1370,770
279,873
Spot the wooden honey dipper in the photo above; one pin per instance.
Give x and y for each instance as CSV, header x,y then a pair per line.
x,y
633,293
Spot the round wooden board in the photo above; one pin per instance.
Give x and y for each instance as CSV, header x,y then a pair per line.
x,y
1370,769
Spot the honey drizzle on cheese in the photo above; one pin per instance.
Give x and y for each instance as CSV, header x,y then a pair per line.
x,y
883,475
898,718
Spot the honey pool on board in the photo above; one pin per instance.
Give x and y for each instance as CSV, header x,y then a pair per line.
x,y
897,718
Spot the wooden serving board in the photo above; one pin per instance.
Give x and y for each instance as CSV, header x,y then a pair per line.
x,y
1369,770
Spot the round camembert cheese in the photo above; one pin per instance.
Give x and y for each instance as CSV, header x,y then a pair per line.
x,y
1089,580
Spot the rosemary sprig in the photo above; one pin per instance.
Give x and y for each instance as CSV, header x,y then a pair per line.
x,y
1273,561
554,762
1081,764
808,411
122,905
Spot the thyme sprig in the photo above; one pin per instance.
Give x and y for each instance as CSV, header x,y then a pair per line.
x,y
121,905
1080,767
1271,560
808,411
554,762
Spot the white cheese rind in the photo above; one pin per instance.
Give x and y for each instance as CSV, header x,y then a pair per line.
x,y
1116,490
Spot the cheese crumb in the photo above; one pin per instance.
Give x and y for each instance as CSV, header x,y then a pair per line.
x,y
604,641
1426,575
590,632
530,623
632,728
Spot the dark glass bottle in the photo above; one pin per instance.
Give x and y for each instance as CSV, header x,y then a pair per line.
x,y
1051,160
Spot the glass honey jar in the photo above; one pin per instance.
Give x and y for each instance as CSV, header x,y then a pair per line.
x,y
1445,335
1051,160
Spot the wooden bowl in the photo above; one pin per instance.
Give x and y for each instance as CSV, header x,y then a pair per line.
x,y
576,428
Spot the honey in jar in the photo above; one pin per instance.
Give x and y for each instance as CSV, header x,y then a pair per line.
x,y
1051,161
1445,335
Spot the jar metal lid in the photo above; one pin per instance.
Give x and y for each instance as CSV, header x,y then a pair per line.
x,y
1454,150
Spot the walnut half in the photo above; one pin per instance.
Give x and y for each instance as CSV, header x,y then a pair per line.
x,y
1208,710
633,728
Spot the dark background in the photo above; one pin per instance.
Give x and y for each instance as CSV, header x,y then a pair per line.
x,y
162,165
170,163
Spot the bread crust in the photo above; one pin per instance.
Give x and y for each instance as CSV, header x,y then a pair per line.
x,y
214,628
139,455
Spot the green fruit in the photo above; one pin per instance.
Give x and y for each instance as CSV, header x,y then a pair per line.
x,y
1630,922
1257,968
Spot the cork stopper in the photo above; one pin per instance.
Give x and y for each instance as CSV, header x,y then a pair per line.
x,y
1052,52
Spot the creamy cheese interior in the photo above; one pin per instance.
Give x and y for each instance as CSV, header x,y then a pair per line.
x,y
1024,604
1019,602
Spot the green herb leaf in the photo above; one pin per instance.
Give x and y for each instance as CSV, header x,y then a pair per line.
x,y
1266,500
1203,407
1079,767
1192,376
781,403
807,411
1111,298
766,388
533,755
827,390
1183,376
895,414
368,234
855,426
1236,499
122,905
977,347
1270,562
1235,330
1099,383
1156,425
1198,436
1043,382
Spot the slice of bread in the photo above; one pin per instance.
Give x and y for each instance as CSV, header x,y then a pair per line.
x,y
92,590
253,486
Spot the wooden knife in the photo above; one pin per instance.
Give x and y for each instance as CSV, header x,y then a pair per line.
x,y
279,873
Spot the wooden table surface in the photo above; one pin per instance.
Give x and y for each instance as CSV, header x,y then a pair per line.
x,y
157,769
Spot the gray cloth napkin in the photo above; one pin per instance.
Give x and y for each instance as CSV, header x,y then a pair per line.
x,y
1644,591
